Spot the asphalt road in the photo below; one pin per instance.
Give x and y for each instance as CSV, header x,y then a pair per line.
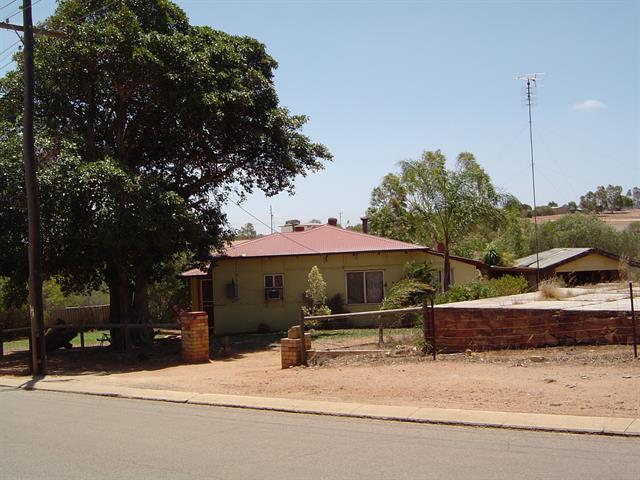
x,y
53,435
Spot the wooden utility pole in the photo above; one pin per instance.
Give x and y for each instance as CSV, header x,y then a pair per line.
x,y
36,309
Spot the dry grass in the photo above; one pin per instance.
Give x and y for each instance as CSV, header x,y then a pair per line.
x,y
624,271
551,289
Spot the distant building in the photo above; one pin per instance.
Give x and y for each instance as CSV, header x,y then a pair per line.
x,y
577,266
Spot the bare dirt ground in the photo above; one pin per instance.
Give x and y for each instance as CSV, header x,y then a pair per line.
x,y
602,380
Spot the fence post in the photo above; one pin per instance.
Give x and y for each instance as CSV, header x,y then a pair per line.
x,y
303,347
433,326
425,322
82,338
633,323
1,342
380,331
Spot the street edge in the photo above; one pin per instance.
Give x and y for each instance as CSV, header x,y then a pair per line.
x,y
394,418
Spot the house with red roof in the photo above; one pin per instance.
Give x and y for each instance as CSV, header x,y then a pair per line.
x,y
258,284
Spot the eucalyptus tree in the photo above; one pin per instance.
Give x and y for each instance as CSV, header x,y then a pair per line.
x,y
446,204
388,213
155,123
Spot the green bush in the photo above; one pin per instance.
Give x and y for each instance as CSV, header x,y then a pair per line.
x,y
421,271
497,287
509,285
337,304
407,292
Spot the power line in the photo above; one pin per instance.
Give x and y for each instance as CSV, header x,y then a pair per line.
x,y
22,10
10,47
7,4
276,232
7,64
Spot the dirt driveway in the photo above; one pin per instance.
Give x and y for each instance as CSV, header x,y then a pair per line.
x,y
586,380
602,381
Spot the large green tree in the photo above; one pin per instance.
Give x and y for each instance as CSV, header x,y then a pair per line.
x,y
581,230
445,204
388,212
150,124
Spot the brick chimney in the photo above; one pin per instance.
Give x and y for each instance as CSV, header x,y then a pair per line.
x,y
333,222
365,224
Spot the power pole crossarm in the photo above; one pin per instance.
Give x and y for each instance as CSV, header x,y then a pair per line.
x,y
36,31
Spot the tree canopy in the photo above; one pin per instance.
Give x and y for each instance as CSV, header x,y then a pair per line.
x,y
429,203
246,232
608,198
145,125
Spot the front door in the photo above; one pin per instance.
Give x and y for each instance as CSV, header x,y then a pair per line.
x,y
206,299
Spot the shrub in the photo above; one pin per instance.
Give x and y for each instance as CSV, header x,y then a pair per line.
x,y
263,328
407,292
315,296
337,304
509,285
497,287
421,271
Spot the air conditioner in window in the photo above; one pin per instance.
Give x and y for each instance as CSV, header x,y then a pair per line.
x,y
273,294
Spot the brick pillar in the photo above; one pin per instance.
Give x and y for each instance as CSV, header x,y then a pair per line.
x,y
195,337
290,347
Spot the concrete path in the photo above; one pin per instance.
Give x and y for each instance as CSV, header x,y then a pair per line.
x,y
477,418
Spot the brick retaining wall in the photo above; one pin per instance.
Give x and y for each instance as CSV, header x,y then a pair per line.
x,y
458,329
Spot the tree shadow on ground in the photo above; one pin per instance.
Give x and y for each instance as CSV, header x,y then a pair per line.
x,y
165,353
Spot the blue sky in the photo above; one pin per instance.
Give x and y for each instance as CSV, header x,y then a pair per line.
x,y
383,81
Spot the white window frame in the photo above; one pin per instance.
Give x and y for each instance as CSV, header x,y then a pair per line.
x,y
273,288
364,285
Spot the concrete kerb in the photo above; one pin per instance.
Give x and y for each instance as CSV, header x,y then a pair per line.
x,y
626,427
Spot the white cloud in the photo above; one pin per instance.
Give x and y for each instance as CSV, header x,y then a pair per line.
x,y
589,105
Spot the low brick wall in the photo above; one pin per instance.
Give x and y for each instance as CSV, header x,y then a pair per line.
x,y
458,329
195,337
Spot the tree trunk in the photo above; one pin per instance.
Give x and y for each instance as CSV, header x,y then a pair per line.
x,y
141,336
117,335
120,304
446,274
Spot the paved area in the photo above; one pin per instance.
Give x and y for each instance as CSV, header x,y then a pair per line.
x,y
53,435
414,414
604,297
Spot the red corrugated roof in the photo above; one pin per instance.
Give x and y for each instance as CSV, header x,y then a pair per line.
x,y
320,240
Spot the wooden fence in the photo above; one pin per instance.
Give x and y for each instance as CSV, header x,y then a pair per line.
x,y
85,327
428,323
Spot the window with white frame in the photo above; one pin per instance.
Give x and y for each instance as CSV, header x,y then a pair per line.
x,y
274,286
365,287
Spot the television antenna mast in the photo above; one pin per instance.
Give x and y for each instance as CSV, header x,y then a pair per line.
x,y
531,80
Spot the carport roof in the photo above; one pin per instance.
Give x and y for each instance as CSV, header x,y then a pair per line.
x,y
558,256
550,258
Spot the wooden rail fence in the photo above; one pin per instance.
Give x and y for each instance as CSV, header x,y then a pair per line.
x,y
428,323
